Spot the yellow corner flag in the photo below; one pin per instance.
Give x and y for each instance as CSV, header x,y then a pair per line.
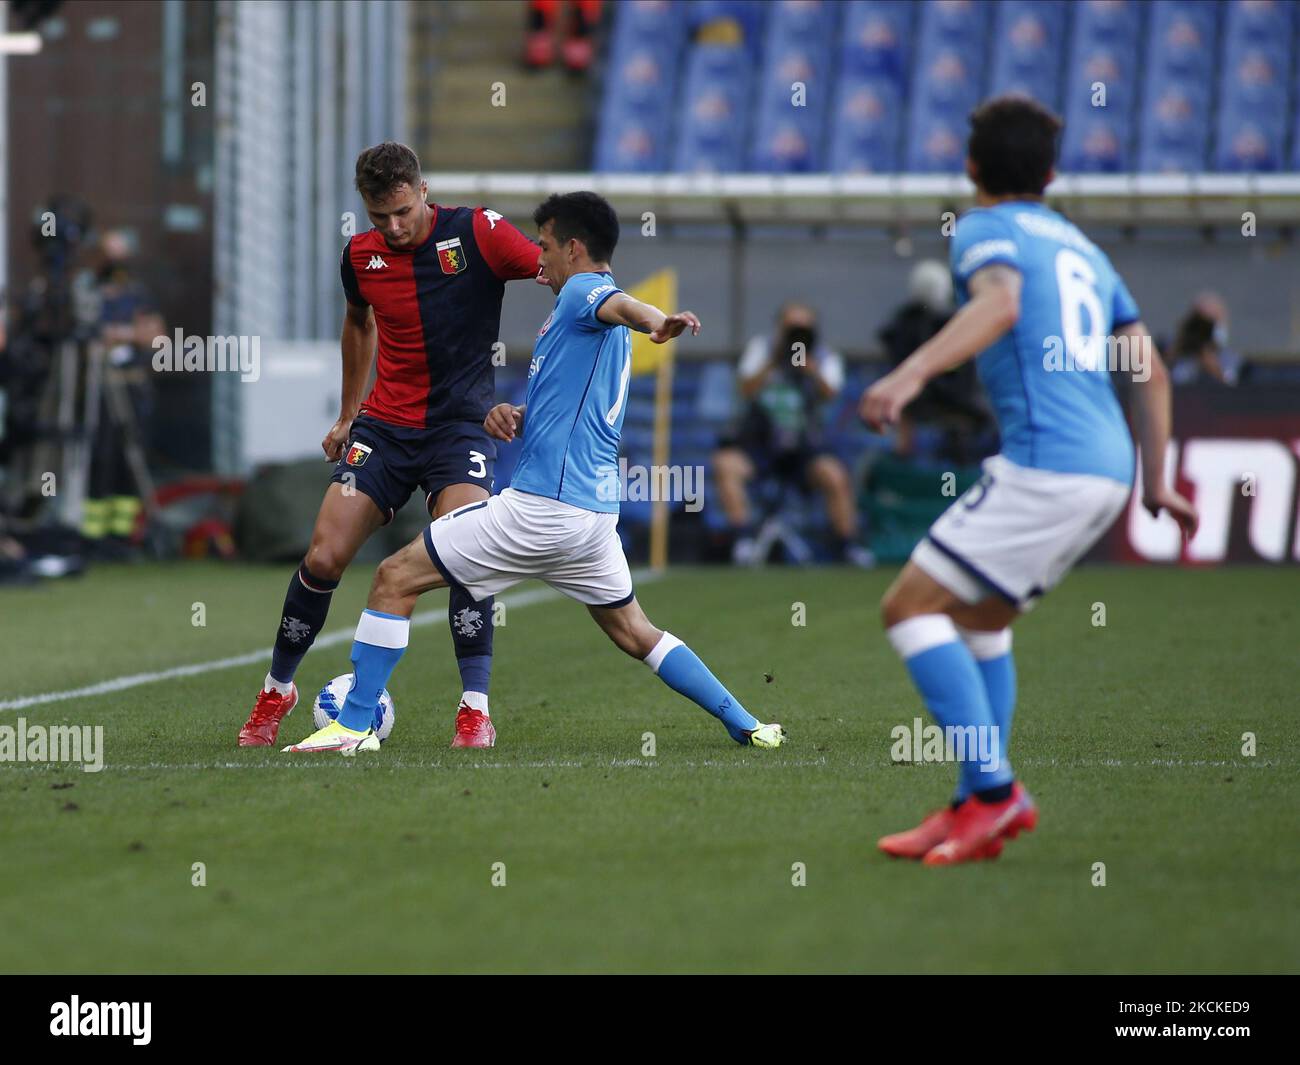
x,y
659,290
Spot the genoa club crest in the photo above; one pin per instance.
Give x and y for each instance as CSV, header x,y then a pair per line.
x,y
451,256
357,455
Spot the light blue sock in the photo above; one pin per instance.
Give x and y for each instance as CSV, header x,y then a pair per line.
x,y
992,652
945,673
681,669
379,643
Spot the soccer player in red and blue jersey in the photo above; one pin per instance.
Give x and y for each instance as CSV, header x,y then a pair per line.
x,y
423,291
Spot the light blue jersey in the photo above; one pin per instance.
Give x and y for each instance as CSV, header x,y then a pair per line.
x,y
577,396
1071,300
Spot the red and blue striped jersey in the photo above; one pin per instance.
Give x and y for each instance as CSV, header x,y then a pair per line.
x,y
438,313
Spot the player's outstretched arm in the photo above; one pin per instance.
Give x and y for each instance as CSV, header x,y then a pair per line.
x,y
994,308
622,309
1154,420
358,342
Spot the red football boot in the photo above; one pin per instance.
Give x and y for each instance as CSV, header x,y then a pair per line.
x,y
917,842
980,827
473,729
263,724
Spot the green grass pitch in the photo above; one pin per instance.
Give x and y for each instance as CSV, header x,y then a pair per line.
x,y
1130,736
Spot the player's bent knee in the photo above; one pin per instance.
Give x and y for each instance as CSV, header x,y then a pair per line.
x,y
325,561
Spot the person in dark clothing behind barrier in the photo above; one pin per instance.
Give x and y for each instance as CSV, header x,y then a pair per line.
x,y
953,400
785,381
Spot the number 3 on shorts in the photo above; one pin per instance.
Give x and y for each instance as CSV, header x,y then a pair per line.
x,y
477,464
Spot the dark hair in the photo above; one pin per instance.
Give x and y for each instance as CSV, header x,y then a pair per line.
x,y
385,166
583,215
1013,144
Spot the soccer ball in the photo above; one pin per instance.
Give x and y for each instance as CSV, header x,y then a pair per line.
x,y
330,700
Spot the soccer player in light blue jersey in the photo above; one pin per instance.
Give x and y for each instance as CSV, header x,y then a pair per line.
x,y
1046,316
557,520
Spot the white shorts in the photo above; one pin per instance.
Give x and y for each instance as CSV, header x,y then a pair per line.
x,y
490,546
1017,531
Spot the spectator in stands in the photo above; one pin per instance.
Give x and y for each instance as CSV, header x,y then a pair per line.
x,y
577,47
1200,350
785,381
953,400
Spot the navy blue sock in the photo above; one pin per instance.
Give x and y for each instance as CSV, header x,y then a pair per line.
x,y
306,605
471,634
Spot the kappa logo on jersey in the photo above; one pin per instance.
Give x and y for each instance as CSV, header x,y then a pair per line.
x,y
493,218
451,255
376,263
357,454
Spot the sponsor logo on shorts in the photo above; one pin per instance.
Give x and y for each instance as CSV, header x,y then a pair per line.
x,y
357,454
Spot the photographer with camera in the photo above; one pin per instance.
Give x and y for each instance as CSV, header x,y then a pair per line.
x,y
785,380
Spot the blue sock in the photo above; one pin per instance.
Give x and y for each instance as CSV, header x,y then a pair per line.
x,y
681,669
471,634
992,651
306,605
945,673
379,643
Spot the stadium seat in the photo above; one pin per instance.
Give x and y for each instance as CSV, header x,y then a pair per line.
x,y
727,22
866,125
1029,49
640,87
714,120
947,83
1254,94
876,40
1102,65
795,87
1179,61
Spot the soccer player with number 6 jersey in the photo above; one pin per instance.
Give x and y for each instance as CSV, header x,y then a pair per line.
x,y
1043,310
557,520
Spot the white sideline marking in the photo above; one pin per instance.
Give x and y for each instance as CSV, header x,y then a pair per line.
x,y
744,762
328,639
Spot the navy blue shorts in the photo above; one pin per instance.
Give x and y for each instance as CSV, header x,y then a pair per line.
x,y
387,462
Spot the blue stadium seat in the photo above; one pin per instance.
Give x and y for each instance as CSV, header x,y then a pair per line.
x,y
1255,86
876,40
640,86
1102,63
748,17
795,87
1029,49
1177,94
947,83
866,125
714,120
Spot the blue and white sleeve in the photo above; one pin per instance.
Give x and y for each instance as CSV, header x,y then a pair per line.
x,y
981,240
